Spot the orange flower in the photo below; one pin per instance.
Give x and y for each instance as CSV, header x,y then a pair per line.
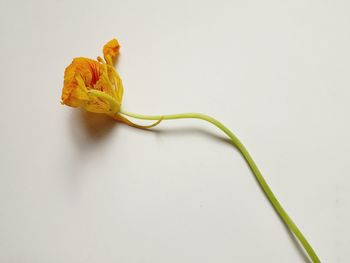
x,y
94,85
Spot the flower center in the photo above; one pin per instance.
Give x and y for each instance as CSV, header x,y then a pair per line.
x,y
95,73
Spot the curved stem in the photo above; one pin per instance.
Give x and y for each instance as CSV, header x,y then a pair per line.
x,y
262,182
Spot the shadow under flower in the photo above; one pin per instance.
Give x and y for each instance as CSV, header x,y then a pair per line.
x,y
90,133
89,129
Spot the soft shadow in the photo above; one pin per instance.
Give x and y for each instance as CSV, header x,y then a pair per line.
x,y
90,133
89,129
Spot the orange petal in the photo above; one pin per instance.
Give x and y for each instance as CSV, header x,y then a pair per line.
x,y
111,50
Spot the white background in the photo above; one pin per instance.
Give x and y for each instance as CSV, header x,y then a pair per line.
x,y
77,187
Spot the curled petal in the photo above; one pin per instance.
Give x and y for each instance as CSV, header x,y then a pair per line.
x,y
111,50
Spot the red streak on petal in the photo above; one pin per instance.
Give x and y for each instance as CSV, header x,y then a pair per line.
x,y
95,73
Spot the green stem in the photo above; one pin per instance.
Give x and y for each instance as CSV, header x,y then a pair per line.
x,y
262,182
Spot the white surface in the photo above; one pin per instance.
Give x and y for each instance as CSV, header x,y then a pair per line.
x,y
76,187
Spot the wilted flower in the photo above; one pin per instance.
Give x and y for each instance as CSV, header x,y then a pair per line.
x,y
94,85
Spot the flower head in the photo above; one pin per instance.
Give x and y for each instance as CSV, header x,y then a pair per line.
x,y
94,84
